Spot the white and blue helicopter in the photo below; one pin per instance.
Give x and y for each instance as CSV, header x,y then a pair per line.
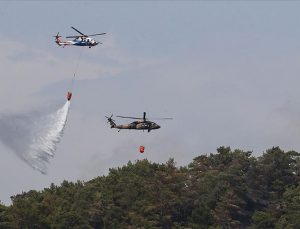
x,y
80,40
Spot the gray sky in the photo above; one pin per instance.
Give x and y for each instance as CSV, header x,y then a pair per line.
x,y
228,72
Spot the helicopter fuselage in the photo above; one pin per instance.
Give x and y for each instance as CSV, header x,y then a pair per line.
x,y
84,41
138,125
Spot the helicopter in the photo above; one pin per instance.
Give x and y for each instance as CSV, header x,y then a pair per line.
x,y
80,40
142,123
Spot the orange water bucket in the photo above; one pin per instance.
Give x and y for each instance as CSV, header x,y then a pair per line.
x,y
69,96
142,149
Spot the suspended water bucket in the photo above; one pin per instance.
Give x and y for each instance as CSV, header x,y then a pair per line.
x,y
142,149
69,96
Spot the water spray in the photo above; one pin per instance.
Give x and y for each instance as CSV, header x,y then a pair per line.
x,y
34,136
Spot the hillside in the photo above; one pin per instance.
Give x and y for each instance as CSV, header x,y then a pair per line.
x,y
228,189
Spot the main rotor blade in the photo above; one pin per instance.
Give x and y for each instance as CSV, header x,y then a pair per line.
x,y
78,31
161,118
128,117
74,36
97,34
144,118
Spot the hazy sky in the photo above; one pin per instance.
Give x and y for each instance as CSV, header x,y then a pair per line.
x,y
228,72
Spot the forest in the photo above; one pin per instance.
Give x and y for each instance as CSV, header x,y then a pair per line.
x,y
225,189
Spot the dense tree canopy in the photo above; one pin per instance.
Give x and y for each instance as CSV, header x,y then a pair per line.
x,y
228,189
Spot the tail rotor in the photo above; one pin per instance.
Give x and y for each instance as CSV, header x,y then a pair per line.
x,y
111,121
57,40
57,36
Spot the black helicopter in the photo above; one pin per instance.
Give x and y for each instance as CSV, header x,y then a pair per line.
x,y
141,123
